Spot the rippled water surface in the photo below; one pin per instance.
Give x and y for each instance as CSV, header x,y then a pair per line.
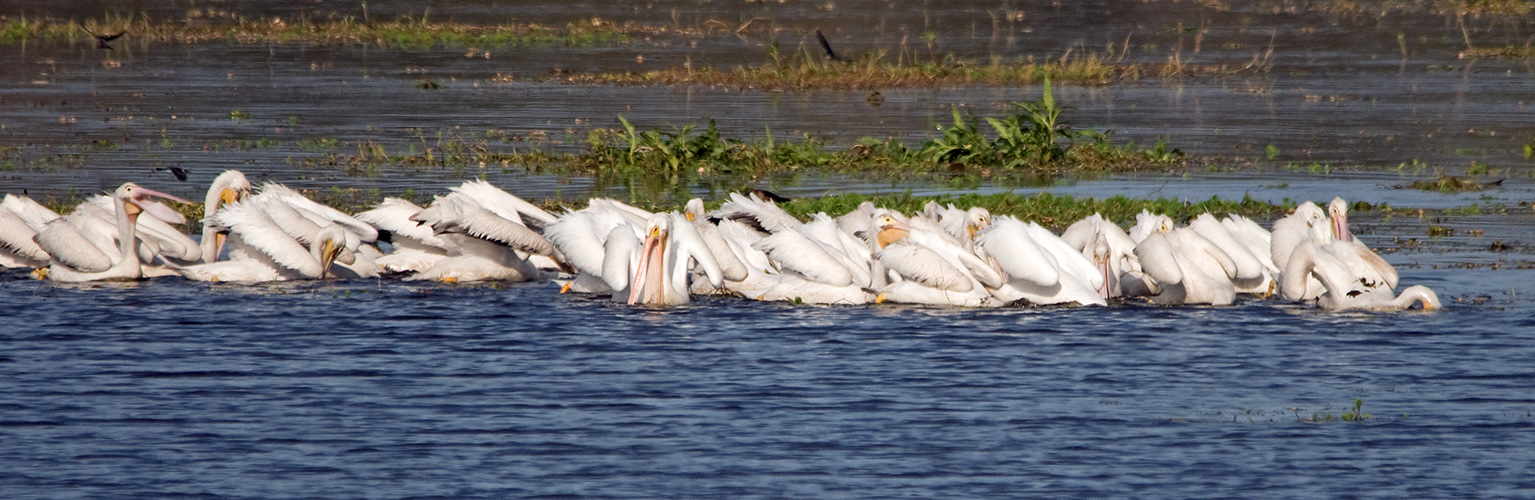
x,y
383,389
386,389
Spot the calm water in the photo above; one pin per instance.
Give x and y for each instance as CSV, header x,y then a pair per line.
x,y
381,389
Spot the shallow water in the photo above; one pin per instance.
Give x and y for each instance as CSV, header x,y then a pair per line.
x,y
1343,90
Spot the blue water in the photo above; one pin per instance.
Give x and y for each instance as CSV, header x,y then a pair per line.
x,y
383,389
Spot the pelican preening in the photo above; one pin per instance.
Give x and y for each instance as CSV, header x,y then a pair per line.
x,y
749,247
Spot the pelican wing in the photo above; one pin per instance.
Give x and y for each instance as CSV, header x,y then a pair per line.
x,y
34,214
796,252
482,224
688,239
394,214
730,264
1203,252
1068,261
172,243
317,213
920,264
1246,266
1370,264
1159,259
576,236
1253,237
1008,242
1081,232
621,257
853,256
506,205
255,229
16,236
630,213
766,214
741,239
67,245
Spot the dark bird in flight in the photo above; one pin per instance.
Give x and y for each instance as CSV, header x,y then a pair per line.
x,y
180,173
765,195
101,40
825,45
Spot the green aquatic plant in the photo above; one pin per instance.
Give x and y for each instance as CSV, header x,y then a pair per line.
x,y
806,69
1450,184
1051,210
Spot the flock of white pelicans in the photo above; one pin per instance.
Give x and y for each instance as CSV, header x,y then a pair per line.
x,y
749,247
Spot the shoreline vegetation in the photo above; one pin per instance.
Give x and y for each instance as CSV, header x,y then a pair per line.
x,y
1035,145
801,68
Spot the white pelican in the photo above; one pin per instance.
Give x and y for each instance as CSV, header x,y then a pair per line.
x,y
76,262
1041,268
1188,268
1252,273
933,267
1254,237
20,219
661,275
262,250
414,247
1348,286
487,228
1352,276
1100,239
731,266
817,263
231,186
583,238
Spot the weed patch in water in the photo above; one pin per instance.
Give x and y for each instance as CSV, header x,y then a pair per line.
x,y
804,70
406,32
1452,184
1050,210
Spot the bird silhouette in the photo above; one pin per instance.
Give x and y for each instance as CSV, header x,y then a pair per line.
x,y
101,40
826,45
178,172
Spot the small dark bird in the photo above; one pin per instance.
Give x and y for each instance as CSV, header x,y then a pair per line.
x,y
765,195
101,40
180,173
825,45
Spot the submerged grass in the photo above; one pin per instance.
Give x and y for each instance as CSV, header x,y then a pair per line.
x,y
407,32
803,70
1451,184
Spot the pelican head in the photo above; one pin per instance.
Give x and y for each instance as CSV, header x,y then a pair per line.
x,y
138,200
228,188
1314,218
649,276
1101,255
890,229
976,219
694,210
330,246
1338,211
